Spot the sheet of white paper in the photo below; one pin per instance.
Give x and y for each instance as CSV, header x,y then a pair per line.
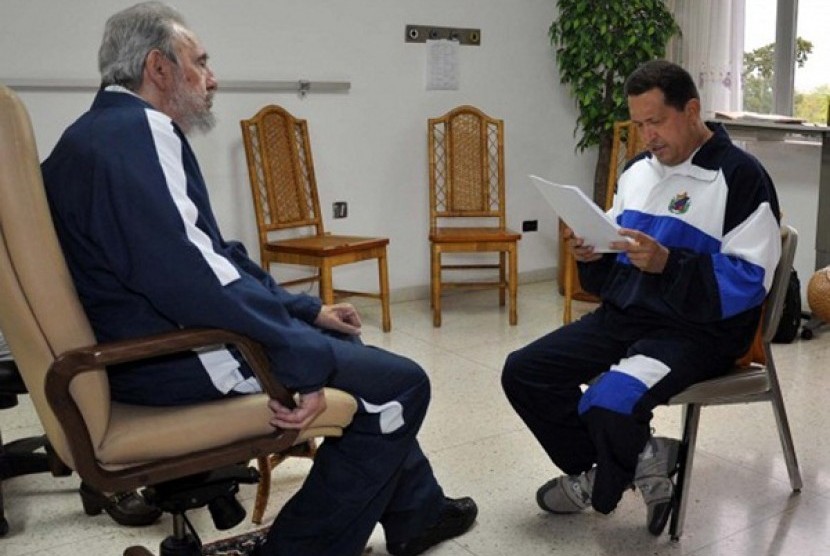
x,y
442,65
580,213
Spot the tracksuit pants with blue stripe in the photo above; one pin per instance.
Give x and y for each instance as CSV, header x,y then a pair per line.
x,y
642,362
375,473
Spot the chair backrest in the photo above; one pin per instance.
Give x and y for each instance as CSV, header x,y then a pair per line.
x,y
281,172
40,313
466,166
780,281
625,144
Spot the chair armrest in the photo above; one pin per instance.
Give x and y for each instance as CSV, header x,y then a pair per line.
x,y
73,363
70,364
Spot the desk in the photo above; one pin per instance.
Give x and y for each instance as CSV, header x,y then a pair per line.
x,y
763,131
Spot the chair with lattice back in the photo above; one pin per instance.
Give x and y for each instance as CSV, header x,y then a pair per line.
x,y
625,145
287,206
466,179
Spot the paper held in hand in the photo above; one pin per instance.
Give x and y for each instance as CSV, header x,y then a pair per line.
x,y
581,214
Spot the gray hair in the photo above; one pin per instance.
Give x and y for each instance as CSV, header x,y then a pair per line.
x,y
130,35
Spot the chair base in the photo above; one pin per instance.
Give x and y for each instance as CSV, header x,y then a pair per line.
x,y
215,489
21,457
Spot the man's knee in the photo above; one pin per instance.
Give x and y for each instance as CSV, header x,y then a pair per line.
x,y
511,372
414,380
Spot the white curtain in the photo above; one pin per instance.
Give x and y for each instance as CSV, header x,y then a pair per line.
x,y
711,49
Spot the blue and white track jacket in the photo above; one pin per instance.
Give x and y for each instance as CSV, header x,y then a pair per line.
x,y
718,215
132,213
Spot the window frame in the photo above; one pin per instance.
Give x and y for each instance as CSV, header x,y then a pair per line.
x,y
786,21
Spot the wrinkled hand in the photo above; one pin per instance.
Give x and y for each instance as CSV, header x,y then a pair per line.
x,y
341,317
582,253
644,251
308,407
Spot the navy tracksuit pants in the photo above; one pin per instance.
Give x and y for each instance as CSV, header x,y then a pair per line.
x,y
375,473
643,363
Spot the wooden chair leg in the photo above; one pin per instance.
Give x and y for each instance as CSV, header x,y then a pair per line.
x,y
568,276
513,284
263,489
502,278
435,283
266,464
384,292
326,288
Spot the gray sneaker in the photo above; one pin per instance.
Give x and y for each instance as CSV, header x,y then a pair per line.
x,y
655,467
567,494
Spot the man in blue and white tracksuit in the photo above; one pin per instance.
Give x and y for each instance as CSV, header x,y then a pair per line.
x,y
680,303
132,213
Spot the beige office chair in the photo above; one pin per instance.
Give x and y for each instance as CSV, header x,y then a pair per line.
x,y
755,383
287,206
115,446
625,144
466,183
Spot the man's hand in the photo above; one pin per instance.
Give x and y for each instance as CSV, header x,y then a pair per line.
x,y
341,317
644,251
308,407
582,253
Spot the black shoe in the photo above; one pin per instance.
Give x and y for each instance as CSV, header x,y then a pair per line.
x,y
659,517
456,517
125,508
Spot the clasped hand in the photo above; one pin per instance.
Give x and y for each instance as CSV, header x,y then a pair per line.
x,y
340,317
308,407
644,252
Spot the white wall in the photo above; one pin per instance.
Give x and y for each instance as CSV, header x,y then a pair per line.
x,y
369,144
794,168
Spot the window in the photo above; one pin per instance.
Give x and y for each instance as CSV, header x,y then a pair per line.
x,y
758,71
723,39
812,79
787,80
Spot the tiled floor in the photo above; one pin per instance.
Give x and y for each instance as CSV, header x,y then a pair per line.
x,y
741,503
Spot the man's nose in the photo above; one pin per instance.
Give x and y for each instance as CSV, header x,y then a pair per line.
x,y
211,84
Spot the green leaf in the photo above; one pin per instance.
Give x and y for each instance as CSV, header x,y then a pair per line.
x,y
594,39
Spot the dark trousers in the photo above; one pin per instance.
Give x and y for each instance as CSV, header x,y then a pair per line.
x,y
608,425
375,473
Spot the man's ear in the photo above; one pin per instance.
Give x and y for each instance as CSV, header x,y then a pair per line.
x,y
692,108
158,70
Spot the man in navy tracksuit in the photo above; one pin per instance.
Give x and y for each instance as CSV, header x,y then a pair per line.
x,y
132,213
680,303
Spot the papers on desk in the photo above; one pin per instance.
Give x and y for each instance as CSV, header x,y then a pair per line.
x,y
581,214
756,117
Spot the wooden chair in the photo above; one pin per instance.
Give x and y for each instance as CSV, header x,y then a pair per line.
x,y
625,145
286,202
757,382
466,182
114,446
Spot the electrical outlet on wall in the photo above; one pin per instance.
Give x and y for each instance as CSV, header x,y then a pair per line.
x,y
340,209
